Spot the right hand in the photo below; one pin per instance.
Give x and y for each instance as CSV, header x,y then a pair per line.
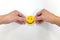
x,y
45,15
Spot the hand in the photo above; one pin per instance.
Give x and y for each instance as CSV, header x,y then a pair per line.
x,y
45,15
13,16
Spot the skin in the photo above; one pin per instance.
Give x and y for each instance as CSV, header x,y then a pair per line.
x,y
13,16
18,17
47,16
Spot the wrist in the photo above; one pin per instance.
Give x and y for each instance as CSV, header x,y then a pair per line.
x,y
57,20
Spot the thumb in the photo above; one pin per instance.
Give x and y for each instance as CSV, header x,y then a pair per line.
x,y
38,18
21,19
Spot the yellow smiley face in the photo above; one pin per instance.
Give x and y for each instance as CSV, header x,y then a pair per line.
x,y
30,19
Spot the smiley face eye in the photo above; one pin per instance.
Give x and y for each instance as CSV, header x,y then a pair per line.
x,y
31,18
28,18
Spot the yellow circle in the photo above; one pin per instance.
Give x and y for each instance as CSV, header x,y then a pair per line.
x,y
30,19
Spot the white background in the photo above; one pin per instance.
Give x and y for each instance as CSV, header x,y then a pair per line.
x,y
44,31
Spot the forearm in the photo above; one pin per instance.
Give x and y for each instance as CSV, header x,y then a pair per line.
x,y
2,20
57,21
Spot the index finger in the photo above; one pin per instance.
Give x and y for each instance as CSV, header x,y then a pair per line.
x,y
20,14
38,14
